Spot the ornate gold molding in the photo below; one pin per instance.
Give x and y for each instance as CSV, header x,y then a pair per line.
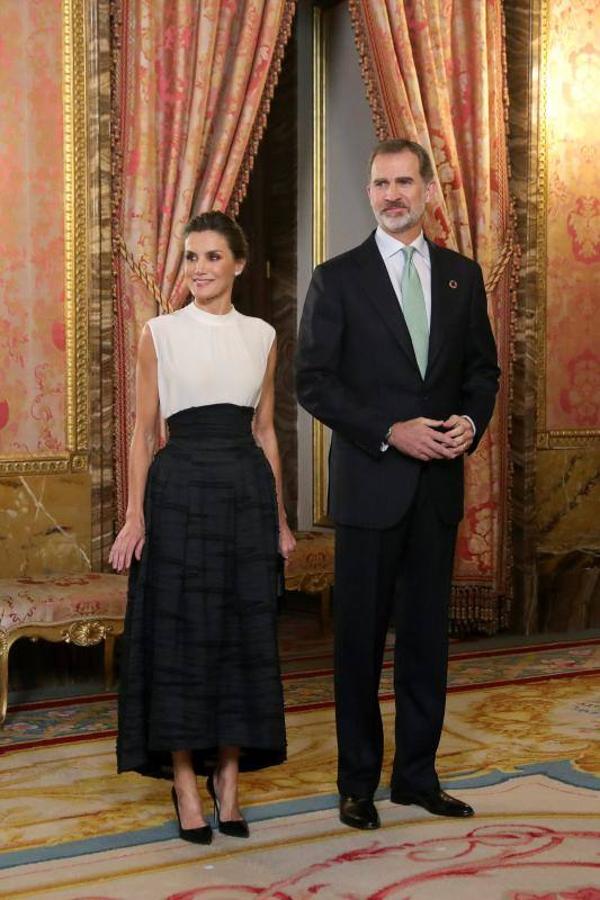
x,y
87,633
546,438
549,440
319,149
74,57
541,214
83,632
319,244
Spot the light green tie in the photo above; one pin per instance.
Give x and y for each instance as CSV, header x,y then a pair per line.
x,y
413,307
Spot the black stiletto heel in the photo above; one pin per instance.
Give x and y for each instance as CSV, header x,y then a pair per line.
x,y
201,835
231,827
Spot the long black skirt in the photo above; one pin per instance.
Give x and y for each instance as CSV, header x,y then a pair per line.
x,y
200,667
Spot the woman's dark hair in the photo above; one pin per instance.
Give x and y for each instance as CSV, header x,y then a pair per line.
x,y
223,225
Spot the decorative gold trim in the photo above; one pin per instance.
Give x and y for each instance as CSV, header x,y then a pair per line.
x,y
65,631
542,208
35,465
75,256
367,68
140,269
76,243
87,634
319,247
478,608
547,438
117,92
319,242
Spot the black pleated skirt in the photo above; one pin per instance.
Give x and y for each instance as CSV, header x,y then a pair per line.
x,y
200,666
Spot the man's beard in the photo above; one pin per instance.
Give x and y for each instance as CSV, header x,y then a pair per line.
x,y
411,218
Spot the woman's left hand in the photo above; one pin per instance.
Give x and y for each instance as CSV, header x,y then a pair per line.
x,y
287,541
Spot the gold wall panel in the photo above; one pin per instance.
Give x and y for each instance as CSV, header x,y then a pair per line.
x,y
44,524
568,229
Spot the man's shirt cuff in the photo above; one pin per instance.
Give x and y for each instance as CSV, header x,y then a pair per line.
x,y
469,419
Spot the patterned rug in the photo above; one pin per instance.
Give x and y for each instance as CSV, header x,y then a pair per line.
x,y
520,743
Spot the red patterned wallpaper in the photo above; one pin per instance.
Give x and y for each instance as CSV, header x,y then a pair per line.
x,y
573,216
32,329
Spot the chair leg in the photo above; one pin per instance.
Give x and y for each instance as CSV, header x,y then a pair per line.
x,y
109,661
3,681
325,610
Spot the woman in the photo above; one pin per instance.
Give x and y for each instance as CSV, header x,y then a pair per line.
x,y
200,684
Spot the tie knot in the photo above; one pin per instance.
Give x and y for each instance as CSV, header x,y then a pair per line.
x,y
408,253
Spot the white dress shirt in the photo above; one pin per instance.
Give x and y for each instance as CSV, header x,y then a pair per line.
x,y
394,259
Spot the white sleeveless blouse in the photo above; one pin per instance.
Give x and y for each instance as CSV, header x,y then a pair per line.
x,y
205,358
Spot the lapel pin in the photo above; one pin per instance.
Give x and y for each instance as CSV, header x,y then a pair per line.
x,y
452,283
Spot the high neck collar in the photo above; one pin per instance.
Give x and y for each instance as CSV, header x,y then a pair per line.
x,y
202,315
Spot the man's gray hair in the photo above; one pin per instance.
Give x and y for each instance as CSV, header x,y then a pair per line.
x,y
399,145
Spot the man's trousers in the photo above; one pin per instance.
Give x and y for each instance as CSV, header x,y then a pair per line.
x,y
403,575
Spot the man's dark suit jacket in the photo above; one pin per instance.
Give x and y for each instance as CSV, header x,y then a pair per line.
x,y
357,373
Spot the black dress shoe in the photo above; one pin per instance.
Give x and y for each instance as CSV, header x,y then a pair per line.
x,y
437,802
201,835
231,827
358,812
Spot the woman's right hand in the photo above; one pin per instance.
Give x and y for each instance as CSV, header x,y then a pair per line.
x,y
129,541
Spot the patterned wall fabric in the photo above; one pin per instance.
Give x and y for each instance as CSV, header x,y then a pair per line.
x,y
434,73
32,328
193,85
572,273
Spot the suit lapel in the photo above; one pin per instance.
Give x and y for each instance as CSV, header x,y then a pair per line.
x,y
378,288
441,303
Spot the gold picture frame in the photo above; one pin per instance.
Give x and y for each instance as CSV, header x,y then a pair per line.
x,y
320,433
76,268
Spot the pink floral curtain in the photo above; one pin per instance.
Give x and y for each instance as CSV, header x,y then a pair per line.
x,y
434,71
193,82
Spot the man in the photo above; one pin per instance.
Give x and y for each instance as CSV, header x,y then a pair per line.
x,y
396,355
